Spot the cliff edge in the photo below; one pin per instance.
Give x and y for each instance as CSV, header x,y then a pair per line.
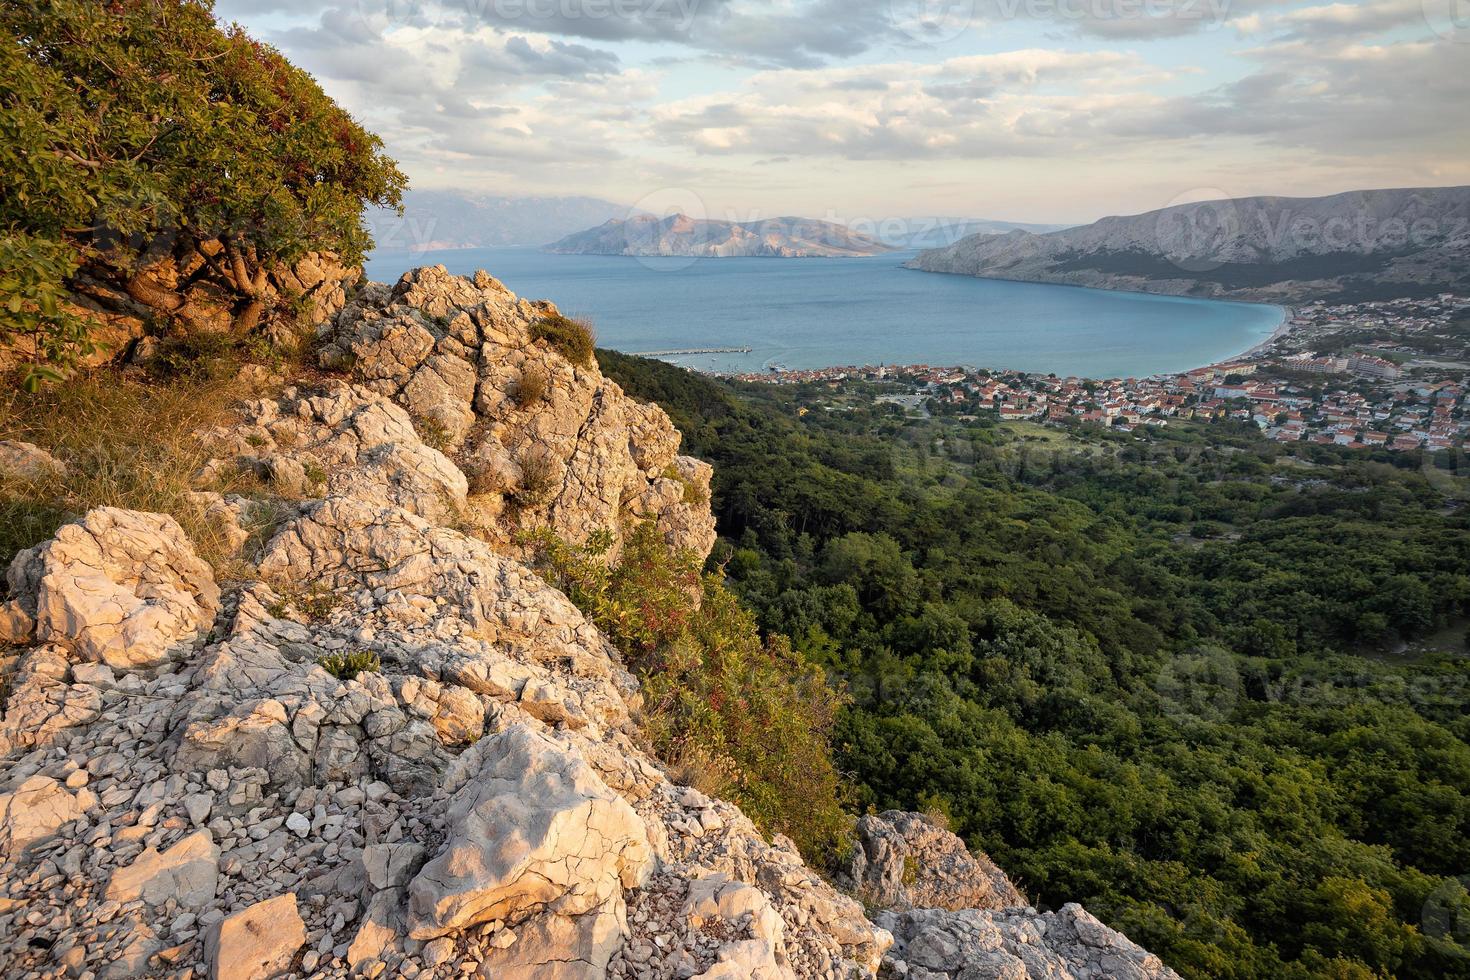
x,y
391,749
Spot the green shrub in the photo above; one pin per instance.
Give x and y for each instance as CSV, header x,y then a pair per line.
x,y
573,339
749,719
531,387
346,666
135,134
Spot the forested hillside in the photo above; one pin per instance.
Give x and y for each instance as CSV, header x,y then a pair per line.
x,y
1214,691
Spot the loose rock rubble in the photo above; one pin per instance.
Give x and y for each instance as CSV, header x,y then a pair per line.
x,y
186,790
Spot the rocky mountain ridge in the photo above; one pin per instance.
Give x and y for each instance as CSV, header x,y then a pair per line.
x,y
1353,246
187,790
681,235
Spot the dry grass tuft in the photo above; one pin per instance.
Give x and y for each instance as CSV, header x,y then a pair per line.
x,y
538,480
531,388
125,443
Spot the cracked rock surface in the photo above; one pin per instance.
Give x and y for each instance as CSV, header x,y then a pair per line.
x,y
187,791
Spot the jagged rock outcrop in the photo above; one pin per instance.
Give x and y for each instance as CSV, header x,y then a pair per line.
x,y
187,789
1016,944
905,861
581,457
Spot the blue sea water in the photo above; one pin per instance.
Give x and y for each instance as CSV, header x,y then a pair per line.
x,y
807,313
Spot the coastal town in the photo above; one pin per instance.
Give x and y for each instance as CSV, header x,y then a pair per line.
x,y
1388,374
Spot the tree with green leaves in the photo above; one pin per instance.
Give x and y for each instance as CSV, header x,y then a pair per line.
x,y
156,164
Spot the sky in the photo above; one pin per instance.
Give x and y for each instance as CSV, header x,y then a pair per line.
x,y
862,111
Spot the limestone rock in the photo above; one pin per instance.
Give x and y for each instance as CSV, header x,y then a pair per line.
x,y
28,463
453,352
904,861
341,439
535,826
188,873
1015,944
33,812
257,942
119,587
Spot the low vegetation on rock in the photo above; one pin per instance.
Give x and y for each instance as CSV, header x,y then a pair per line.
x,y
571,338
743,718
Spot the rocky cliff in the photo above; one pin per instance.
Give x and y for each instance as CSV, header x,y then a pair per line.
x,y
681,235
388,748
1359,245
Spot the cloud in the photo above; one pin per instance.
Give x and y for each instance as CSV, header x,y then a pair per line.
x,y
1347,20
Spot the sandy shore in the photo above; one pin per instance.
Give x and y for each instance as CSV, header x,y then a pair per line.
x,y
1284,330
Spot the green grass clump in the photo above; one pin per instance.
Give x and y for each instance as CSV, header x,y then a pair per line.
x,y
346,666
573,339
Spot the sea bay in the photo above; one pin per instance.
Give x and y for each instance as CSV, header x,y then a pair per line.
x,y
809,313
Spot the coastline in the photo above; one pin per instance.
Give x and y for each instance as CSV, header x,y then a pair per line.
x,y
1282,331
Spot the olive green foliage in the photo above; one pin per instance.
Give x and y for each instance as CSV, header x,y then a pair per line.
x,y
751,716
138,130
346,666
1210,742
573,339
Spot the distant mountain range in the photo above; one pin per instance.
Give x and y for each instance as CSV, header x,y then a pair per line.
x,y
461,219
681,235
938,231
1353,246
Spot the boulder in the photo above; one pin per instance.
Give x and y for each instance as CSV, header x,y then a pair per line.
x,y
533,827
188,873
1014,944
257,942
718,906
24,462
120,587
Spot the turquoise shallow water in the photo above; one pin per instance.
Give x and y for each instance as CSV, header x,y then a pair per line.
x,y
806,313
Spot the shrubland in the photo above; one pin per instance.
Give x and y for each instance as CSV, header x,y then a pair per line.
x,y
162,167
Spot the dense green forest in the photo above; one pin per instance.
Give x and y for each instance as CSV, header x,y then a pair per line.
x,y
1211,688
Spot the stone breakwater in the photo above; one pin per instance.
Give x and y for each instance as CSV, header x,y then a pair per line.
x,y
186,792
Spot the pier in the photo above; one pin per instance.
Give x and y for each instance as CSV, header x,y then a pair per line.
x,y
691,350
